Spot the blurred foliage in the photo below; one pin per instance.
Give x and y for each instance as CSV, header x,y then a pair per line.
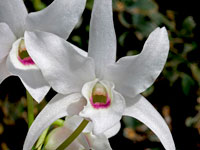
x,y
134,20
195,121
38,5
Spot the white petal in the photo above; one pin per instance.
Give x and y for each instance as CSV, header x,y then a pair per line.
x,y
84,141
103,118
80,51
113,130
134,74
73,122
98,142
142,110
58,107
102,39
64,68
13,13
59,18
6,40
30,75
3,70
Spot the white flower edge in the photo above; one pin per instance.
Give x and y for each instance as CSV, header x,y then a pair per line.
x,y
143,111
59,106
60,17
14,13
138,72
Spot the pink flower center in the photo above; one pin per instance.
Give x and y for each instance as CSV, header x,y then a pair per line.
x,y
100,97
23,55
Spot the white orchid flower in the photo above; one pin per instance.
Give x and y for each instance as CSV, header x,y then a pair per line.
x,y
59,18
96,87
85,141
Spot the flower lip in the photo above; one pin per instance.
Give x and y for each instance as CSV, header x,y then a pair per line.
x,y
98,105
99,97
14,61
23,55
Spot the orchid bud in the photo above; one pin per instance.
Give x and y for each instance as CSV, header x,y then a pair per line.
x,y
57,136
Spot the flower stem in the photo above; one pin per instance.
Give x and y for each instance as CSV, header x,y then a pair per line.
x,y
41,139
30,109
73,136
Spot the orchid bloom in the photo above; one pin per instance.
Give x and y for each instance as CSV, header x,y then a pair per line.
x,y
86,140
59,18
96,87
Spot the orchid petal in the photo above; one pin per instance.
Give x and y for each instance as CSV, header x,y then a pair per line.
x,y
80,51
30,75
109,115
13,13
84,141
6,39
73,122
113,130
3,70
98,142
102,39
59,18
63,67
58,107
142,110
134,74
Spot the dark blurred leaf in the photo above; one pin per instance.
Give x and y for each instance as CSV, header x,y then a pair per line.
x,y
122,38
148,91
131,122
188,47
123,21
132,52
1,129
38,5
159,19
195,72
187,83
189,23
89,4
188,26
77,39
145,6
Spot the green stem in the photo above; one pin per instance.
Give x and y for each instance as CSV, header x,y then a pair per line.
x,y
41,139
73,136
30,109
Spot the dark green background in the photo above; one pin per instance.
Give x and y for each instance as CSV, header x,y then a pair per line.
x,y
175,94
